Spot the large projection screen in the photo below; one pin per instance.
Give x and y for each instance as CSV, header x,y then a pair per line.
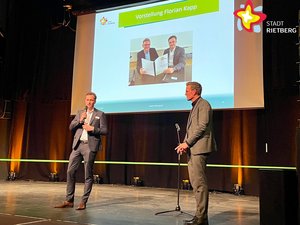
x,y
227,62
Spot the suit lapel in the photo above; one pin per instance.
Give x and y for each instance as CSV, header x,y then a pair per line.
x,y
93,116
192,112
189,119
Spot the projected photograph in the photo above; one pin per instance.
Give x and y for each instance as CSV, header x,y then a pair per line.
x,y
161,59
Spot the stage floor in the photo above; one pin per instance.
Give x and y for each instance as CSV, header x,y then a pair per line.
x,y
31,202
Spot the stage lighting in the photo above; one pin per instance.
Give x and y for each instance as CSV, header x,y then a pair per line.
x,y
137,181
53,177
11,176
237,189
97,179
185,185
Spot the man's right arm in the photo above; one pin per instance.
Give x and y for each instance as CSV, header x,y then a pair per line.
x,y
139,62
76,122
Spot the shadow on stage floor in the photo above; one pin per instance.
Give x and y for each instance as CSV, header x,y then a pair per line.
x,y
31,202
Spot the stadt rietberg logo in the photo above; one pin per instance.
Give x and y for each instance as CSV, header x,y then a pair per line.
x,y
249,18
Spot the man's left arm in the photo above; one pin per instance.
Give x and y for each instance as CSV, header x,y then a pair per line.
x,y
180,60
198,128
98,128
102,129
199,125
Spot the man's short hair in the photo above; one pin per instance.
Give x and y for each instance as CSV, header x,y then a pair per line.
x,y
173,36
92,93
195,86
146,39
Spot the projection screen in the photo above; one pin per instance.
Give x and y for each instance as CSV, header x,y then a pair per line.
x,y
227,62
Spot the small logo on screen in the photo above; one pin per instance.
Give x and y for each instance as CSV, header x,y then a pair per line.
x,y
249,18
103,20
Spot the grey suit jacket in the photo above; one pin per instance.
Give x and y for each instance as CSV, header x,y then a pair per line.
x,y
98,121
199,129
179,58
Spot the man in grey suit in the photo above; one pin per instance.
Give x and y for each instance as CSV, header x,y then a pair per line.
x,y
198,143
88,126
176,56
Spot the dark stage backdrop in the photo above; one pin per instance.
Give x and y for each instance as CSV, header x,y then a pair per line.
x,y
36,76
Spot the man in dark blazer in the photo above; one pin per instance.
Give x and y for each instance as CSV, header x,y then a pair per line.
x,y
198,143
88,126
176,56
146,53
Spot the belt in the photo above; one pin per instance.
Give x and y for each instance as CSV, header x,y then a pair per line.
x,y
83,142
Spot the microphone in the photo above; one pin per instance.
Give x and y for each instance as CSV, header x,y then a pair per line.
x,y
177,127
178,138
85,109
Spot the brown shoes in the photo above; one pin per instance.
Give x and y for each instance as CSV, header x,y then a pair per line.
x,y
65,204
195,221
81,206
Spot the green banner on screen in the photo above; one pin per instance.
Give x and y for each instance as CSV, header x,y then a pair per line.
x,y
169,11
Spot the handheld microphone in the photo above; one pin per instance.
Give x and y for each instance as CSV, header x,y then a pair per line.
x,y
177,127
85,109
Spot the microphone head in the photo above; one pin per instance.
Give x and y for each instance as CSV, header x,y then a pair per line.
x,y
177,127
85,108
